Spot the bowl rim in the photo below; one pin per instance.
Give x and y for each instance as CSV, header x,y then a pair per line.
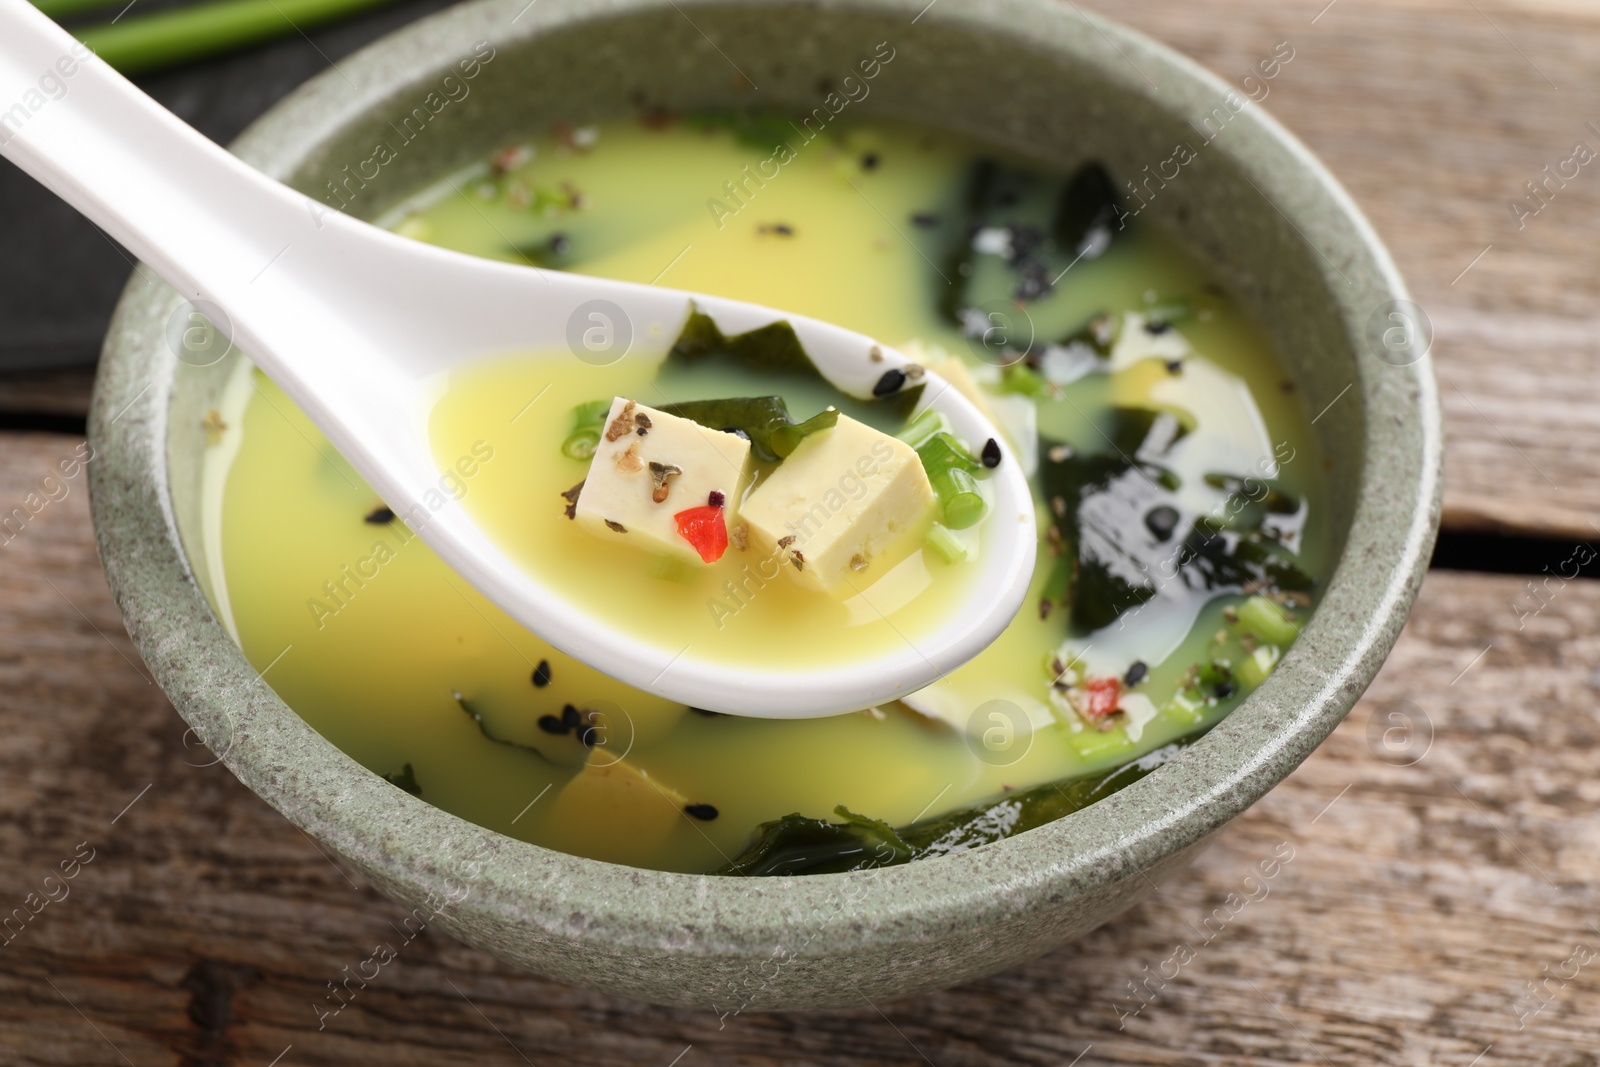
x,y
420,851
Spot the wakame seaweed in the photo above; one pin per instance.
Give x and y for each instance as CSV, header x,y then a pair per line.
x,y
1098,503
405,778
1115,514
1036,225
483,728
1089,214
765,420
775,349
796,844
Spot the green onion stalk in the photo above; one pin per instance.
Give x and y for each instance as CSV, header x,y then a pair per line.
x,y
950,469
588,420
166,39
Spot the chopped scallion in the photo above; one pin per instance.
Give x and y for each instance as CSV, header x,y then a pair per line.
x,y
950,468
918,431
963,504
946,544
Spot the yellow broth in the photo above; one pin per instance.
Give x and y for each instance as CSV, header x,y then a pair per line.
x,y
740,610
389,655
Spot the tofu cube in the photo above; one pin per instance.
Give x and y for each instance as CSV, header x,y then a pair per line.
x,y
843,509
648,467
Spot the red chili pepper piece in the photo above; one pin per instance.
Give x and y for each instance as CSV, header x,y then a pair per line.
x,y
1104,696
704,528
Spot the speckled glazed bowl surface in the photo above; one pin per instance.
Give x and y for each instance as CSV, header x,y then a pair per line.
x,y
1029,75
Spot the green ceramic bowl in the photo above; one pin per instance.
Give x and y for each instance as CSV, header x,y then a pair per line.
x,y
1034,76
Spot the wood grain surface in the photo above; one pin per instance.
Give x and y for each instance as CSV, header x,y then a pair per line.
x,y
1435,113
1442,902
1442,855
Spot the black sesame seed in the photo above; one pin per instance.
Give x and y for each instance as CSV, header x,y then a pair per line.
x,y
541,674
1136,674
703,812
891,382
1161,522
380,516
716,499
570,716
869,161
1174,366
924,219
991,453
552,725
1224,690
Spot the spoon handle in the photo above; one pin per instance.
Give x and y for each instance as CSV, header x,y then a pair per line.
x,y
137,171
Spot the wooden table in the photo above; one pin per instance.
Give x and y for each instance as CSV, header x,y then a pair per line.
x,y
1437,875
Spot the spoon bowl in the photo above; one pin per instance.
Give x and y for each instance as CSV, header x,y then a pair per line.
x,y
357,325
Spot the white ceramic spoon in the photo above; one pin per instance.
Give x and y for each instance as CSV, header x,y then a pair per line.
x,y
357,326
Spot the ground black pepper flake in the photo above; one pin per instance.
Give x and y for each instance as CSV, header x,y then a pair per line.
x,y
560,243
660,474
891,382
380,516
622,425
1136,674
778,229
991,453
1174,366
703,812
1224,690
925,219
1155,327
1161,522
571,497
870,161
541,674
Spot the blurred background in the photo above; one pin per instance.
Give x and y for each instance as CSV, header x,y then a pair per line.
x,y
59,274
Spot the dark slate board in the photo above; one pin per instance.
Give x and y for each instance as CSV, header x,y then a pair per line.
x,y
59,275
